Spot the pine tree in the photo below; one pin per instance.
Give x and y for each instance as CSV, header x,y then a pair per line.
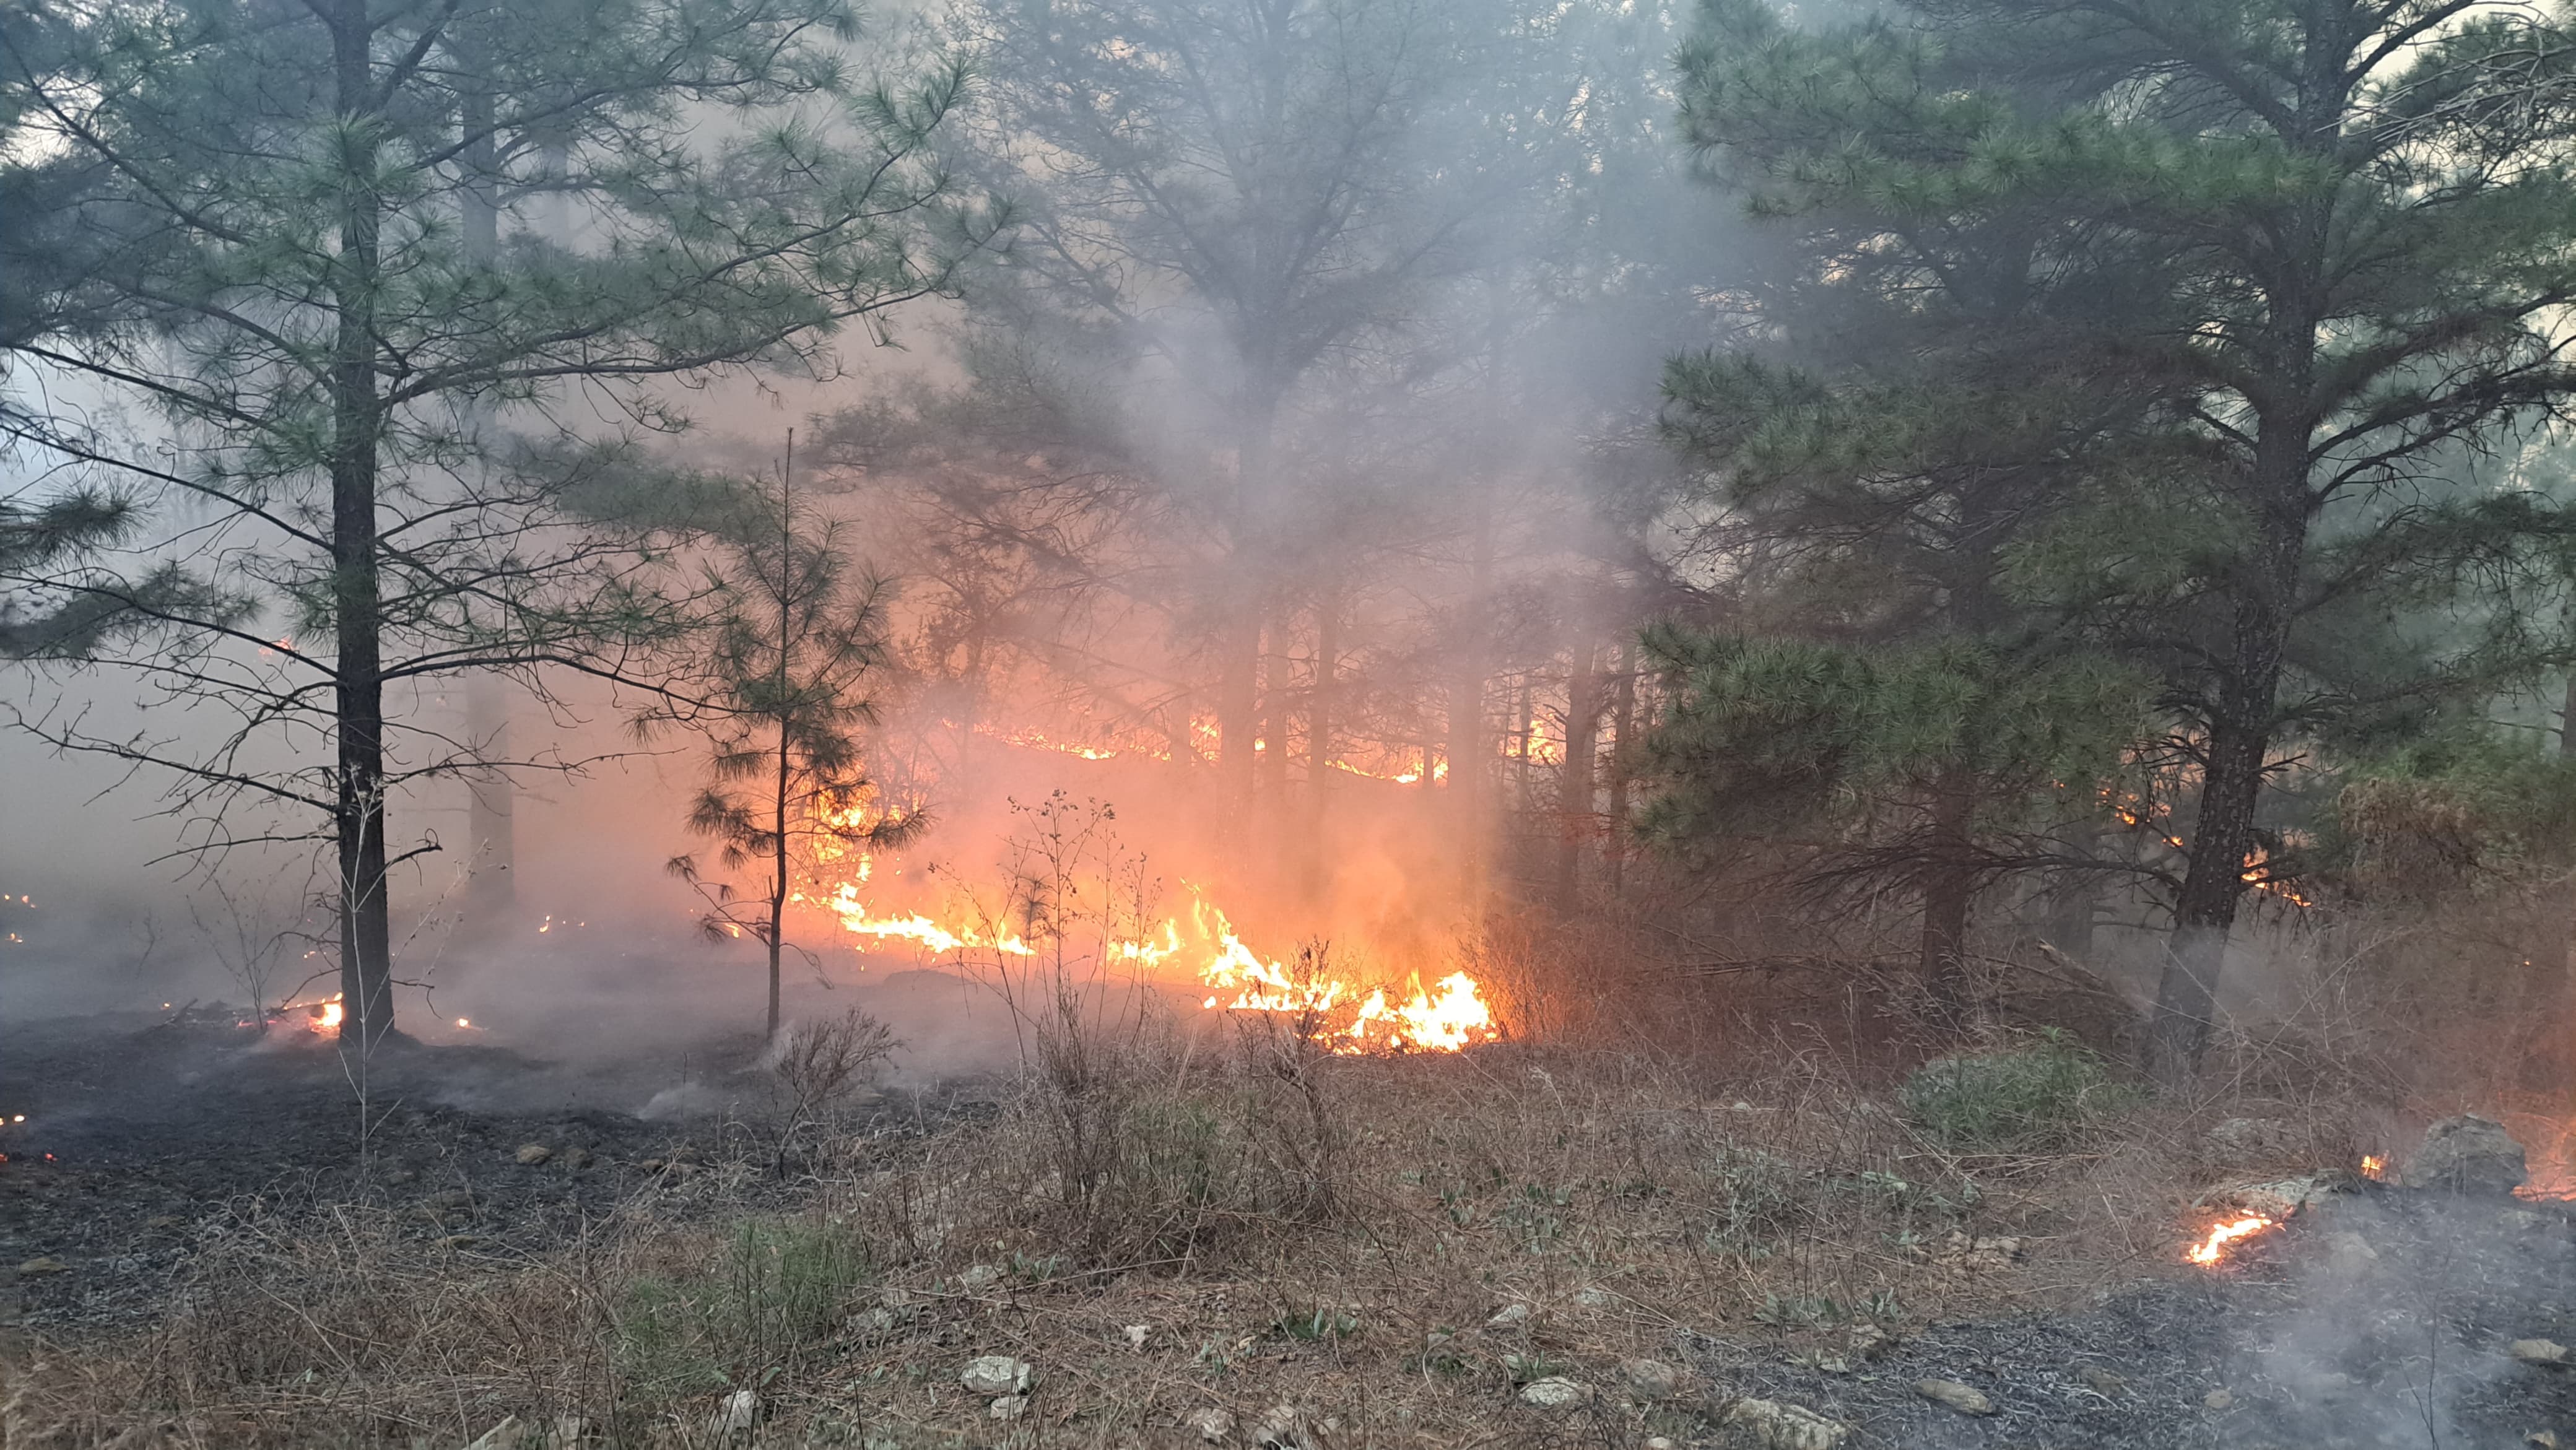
x,y
2330,239
784,701
358,411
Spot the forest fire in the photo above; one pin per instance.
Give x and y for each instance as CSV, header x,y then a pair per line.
x,y
1448,1016
2215,1248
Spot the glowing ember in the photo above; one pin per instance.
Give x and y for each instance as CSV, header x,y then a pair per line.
x,y
325,1016
2213,1249
2374,1168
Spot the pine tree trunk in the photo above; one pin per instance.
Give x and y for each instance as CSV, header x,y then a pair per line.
x,y
357,421
2240,737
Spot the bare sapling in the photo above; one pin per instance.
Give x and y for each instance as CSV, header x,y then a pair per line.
x,y
815,1066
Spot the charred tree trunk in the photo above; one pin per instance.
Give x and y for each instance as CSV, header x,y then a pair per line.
x,y
357,423
778,856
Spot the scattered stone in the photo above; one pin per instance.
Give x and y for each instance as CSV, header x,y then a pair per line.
x,y
2281,1198
1509,1316
1778,1425
1279,1430
2107,1383
2349,1251
874,1324
1978,1255
2468,1154
533,1154
1554,1393
503,1436
1966,1399
980,1276
1659,1442
1137,1334
1867,1341
2219,1399
1592,1296
565,1432
653,1165
578,1158
997,1374
1651,1378
737,1414
2538,1351
2544,1439
1213,1425
45,1265
1009,1407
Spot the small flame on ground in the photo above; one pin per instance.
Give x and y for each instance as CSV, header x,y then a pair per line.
x,y
2213,1249
328,1018
2374,1168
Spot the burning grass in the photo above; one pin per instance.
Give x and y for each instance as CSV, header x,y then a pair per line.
x,y
1174,1224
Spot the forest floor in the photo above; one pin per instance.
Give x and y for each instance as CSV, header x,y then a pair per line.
x,y
1503,1247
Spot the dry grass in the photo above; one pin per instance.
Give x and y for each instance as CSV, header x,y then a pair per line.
x,y
1330,1232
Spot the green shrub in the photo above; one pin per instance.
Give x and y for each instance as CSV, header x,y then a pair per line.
x,y
778,1290
2041,1091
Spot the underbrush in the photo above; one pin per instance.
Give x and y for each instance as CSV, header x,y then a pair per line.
x,y
1244,1219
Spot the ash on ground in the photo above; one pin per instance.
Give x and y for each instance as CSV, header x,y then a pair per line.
x,y
2374,1319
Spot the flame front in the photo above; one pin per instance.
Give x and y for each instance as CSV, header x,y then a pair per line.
x,y
1445,1017
2212,1249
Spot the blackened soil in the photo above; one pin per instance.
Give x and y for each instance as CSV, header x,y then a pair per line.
x,y
143,1137
2380,1320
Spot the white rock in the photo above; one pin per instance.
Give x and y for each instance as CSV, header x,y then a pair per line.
x,y
1509,1316
2538,1351
1594,1297
997,1374
1137,1334
1553,1393
503,1436
1776,1425
1966,1399
1651,1378
1009,1407
1659,1442
980,1276
1213,1425
737,1414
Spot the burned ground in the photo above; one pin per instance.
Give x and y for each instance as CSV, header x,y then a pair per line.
x,y
206,1258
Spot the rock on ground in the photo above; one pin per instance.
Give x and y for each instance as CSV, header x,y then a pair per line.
x,y
996,1374
1553,1393
1213,1425
1966,1399
2468,1154
1778,1425
1651,1378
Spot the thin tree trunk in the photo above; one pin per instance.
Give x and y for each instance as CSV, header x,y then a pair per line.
x,y
1623,719
491,815
1320,783
357,421
1238,700
1576,779
786,740
778,872
1949,888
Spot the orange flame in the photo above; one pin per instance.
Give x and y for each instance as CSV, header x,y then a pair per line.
x,y
2213,1249
327,1019
2374,1167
